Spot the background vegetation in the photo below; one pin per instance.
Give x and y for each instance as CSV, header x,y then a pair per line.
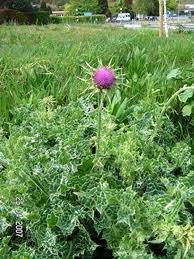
x,y
114,6
78,7
95,6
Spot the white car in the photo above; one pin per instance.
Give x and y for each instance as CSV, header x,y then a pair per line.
x,y
123,17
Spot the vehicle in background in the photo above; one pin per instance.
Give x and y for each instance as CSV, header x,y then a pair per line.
x,y
111,19
171,14
151,18
123,17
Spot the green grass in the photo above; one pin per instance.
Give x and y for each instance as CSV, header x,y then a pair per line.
x,y
42,61
134,198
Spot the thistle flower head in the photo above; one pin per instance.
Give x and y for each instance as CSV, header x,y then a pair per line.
x,y
104,78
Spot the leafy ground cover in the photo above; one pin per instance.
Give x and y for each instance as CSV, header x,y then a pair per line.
x,y
139,201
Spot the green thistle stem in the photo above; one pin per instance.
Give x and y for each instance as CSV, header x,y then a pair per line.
x,y
99,125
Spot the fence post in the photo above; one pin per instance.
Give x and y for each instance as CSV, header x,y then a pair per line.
x,y
161,12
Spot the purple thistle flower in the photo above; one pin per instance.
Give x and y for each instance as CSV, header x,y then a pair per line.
x,y
104,78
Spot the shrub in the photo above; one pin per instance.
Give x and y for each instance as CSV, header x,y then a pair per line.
x,y
84,19
42,17
31,17
74,19
20,18
9,15
5,14
55,19
182,29
99,18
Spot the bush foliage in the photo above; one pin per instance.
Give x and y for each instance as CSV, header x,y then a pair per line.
x,y
78,19
43,17
10,15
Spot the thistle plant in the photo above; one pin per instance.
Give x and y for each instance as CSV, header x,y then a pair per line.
x,y
104,79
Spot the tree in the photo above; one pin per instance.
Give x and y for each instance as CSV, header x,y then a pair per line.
x,y
127,5
103,7
44,7
4,3
81,6
172,5
113,6
20,5
147,7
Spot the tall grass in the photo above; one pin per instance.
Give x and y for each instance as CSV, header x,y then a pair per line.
x,y
40,61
